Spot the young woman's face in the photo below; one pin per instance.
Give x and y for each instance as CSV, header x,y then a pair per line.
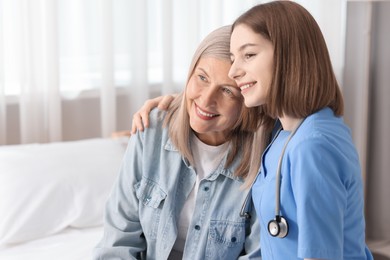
x,y
252,64
213,100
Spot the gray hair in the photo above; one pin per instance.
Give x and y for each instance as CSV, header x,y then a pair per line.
x,y
216,44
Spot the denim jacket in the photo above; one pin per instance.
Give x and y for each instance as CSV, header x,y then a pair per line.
x,y
144,206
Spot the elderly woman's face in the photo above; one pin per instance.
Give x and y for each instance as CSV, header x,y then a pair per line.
x,y
213,100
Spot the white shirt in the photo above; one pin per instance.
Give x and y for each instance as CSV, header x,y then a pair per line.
x,y
206,159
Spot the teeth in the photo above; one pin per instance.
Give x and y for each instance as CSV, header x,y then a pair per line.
x,y
204,113
245,86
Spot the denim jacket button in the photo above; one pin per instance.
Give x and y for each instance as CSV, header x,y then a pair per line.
x,y
234,239
206,188
197,227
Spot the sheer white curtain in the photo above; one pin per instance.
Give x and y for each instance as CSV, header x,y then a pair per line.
x,y
52,51
29,47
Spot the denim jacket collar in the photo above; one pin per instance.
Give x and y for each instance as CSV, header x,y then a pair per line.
x,y
221,168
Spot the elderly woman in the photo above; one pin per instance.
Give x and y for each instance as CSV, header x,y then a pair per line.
x,y
178,193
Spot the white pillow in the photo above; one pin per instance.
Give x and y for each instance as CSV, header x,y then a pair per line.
x,y
45,188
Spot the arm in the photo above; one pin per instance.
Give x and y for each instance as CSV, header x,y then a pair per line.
x,y
141,117
123,234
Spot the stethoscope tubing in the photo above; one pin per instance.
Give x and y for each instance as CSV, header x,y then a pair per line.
x,y
245,208
279,169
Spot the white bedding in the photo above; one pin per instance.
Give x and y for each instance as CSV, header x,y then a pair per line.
x,y
69,244
52,197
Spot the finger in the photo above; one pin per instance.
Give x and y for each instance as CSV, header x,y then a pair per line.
x,y
150,104
144,116
165,102
133,129
137,123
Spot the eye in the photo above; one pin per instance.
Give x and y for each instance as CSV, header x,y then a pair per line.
x,y
249,55
228,91
202,78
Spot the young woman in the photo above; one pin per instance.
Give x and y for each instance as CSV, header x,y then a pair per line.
x,y
309,193
178,193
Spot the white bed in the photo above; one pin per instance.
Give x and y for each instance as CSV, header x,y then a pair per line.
x,y
69,244
52,197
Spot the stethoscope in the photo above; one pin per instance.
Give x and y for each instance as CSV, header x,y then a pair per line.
x,y
278,226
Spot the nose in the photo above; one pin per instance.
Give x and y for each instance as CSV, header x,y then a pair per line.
x,y
235,72
209,96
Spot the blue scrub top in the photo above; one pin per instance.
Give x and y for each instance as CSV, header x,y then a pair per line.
x,y
321,193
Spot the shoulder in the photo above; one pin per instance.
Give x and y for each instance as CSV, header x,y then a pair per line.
x,y
155,132
156,117
324,143
323,129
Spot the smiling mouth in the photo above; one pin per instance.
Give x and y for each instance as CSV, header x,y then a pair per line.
x,y
246,86
204,114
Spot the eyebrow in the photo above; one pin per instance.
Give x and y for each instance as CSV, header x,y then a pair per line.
x,y
242,47
247,45
221,84
201,69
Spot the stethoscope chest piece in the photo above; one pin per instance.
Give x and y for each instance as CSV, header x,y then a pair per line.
x,y
278,227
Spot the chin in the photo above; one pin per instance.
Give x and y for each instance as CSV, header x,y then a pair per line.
x,y
250,103
254,101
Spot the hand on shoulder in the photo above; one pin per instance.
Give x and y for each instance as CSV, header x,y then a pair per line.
x,y
141,117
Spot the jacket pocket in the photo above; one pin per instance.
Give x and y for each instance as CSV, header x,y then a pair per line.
x,y
151,201
226,239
